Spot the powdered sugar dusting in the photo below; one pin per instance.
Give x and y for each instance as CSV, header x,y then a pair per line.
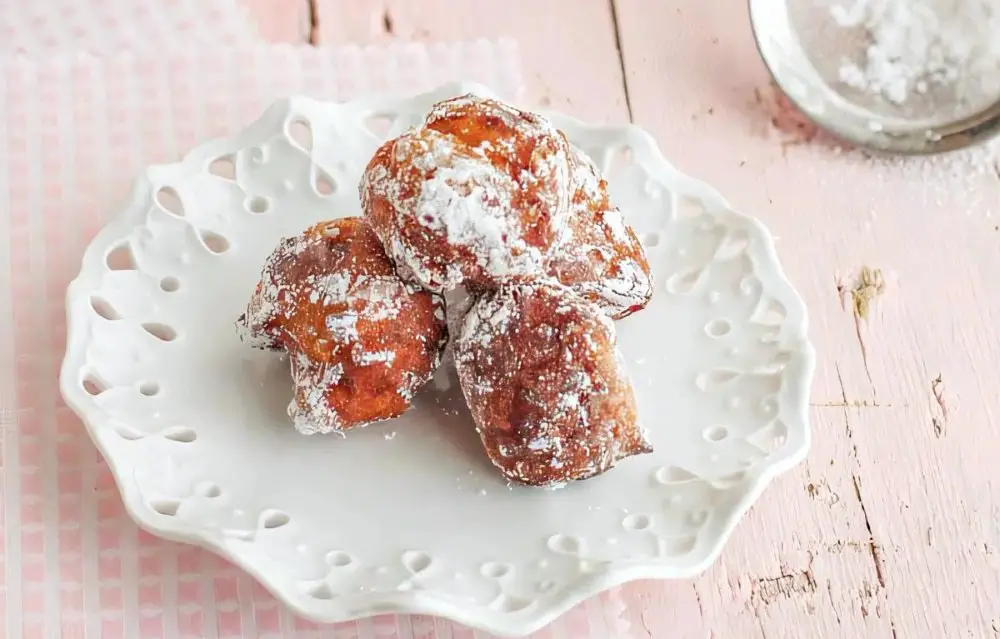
x,y
484,322
598,255
915,47
469,201
330,297
308,410
455,204
511,117
542,377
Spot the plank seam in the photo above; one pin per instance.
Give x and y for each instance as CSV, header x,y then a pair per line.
x,y
621,57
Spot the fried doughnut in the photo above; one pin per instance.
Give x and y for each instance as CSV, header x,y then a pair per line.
x,y
476,194
361,340
546,385
599,255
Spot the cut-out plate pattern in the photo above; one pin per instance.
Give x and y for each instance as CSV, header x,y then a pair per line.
x,y
409,516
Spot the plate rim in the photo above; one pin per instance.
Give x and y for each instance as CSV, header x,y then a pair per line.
x,y
419,602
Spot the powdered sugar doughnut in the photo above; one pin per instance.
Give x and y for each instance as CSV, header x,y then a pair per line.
x,y
546,386
360,339
599,255
477,194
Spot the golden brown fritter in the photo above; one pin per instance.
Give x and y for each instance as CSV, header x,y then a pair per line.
x,y
360,339
475,195
599,255
546,386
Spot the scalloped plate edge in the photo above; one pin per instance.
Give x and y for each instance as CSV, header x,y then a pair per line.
x,y
415,602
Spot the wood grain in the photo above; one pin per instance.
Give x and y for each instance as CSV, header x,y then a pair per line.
x,y
891,528
281,20
568,54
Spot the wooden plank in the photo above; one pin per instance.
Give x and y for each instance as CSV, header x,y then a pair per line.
x,y
280,20
914,467
568,54
569,62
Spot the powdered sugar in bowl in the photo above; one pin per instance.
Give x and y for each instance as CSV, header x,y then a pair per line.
x,y
899,76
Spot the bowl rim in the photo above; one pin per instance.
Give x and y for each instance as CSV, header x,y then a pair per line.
x,y
977,128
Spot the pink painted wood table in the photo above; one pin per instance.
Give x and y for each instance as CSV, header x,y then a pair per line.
x,y
891,528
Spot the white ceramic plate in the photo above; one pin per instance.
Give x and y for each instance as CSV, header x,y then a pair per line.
x,y
408,516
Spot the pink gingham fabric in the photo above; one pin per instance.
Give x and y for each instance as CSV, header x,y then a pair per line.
x,y
111,26
75,128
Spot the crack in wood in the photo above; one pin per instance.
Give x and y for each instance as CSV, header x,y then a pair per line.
x,y
864,353
760,626
313,36
869,285
855,403
645,624
697,598
838,281
874,550
843,396
833,607
840,381
789,584
621,57
868,600
839,545
937,388
939,422
770,589
876,558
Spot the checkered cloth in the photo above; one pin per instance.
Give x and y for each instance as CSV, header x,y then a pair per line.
x,y
112,26
74,131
